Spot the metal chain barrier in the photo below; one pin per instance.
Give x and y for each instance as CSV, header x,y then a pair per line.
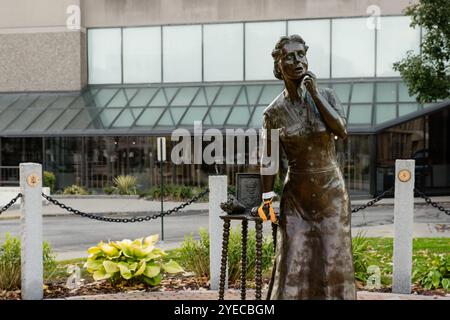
x,y
375,200
6,207
431,202
125,220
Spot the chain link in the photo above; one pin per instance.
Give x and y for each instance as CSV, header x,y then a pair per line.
x,y
431,202
375,200
6,207
125,220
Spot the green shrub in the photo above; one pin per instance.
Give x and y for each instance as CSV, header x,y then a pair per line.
x,y
10,268
108,190
433,272
74,189
125,185
172,192
194,254
360,246
49,180
130,262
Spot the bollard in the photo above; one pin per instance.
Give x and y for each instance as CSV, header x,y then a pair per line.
x,y
217,194
403,226
31,231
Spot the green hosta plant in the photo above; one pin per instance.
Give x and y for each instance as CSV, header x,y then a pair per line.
x,y
137,261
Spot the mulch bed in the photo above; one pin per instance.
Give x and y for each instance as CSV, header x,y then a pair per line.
x,y
58,290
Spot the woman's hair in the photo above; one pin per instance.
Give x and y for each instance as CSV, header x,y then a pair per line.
x,y
276,53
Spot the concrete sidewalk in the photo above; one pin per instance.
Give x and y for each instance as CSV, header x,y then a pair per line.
x,y
138,206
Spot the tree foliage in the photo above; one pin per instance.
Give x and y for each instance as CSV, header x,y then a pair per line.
x,y
427,74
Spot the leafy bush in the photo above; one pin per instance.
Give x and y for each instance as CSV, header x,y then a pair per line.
x,y
434,272
172,192
125,185
49,180
10,267
194,254
108,190
74,189
129,261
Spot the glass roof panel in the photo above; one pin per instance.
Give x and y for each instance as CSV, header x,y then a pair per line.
x,y
227,96
129,93
6,100
242,99
177,113
8,116
106,117
211,93
166,119
239,116
170,92
387,92
62,102
184,96
143,97
127,118
149,117
270,92
194,114
362,92
62,121
257,117
345,107
343,91
385,112
218,115
104,96
200,99
78,103
253,93
159,100
119,100
45,119
24,101
405,108
28,115
360,114
84,118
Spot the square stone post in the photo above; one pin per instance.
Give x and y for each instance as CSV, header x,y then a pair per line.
x,y
31,231
403,226
217,194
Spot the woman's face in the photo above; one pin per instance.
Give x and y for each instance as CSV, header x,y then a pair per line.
x,y
293,63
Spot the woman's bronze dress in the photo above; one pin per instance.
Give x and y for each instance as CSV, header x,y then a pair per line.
x,y
314,250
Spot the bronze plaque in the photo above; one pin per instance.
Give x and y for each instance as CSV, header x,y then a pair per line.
x,y
404,175
248,189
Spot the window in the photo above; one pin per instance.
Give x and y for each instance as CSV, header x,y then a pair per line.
x,y
260,39
142,55
104,51
223,52
353,48
182,53
394,39
316,34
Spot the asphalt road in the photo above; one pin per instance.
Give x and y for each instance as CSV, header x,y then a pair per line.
x,y
72,233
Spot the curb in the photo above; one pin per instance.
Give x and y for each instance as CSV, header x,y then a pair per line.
x,y
113,214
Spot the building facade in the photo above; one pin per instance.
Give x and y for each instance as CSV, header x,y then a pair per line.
x,y
88,86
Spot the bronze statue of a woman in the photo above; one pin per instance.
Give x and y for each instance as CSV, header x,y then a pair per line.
x,y
313,257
